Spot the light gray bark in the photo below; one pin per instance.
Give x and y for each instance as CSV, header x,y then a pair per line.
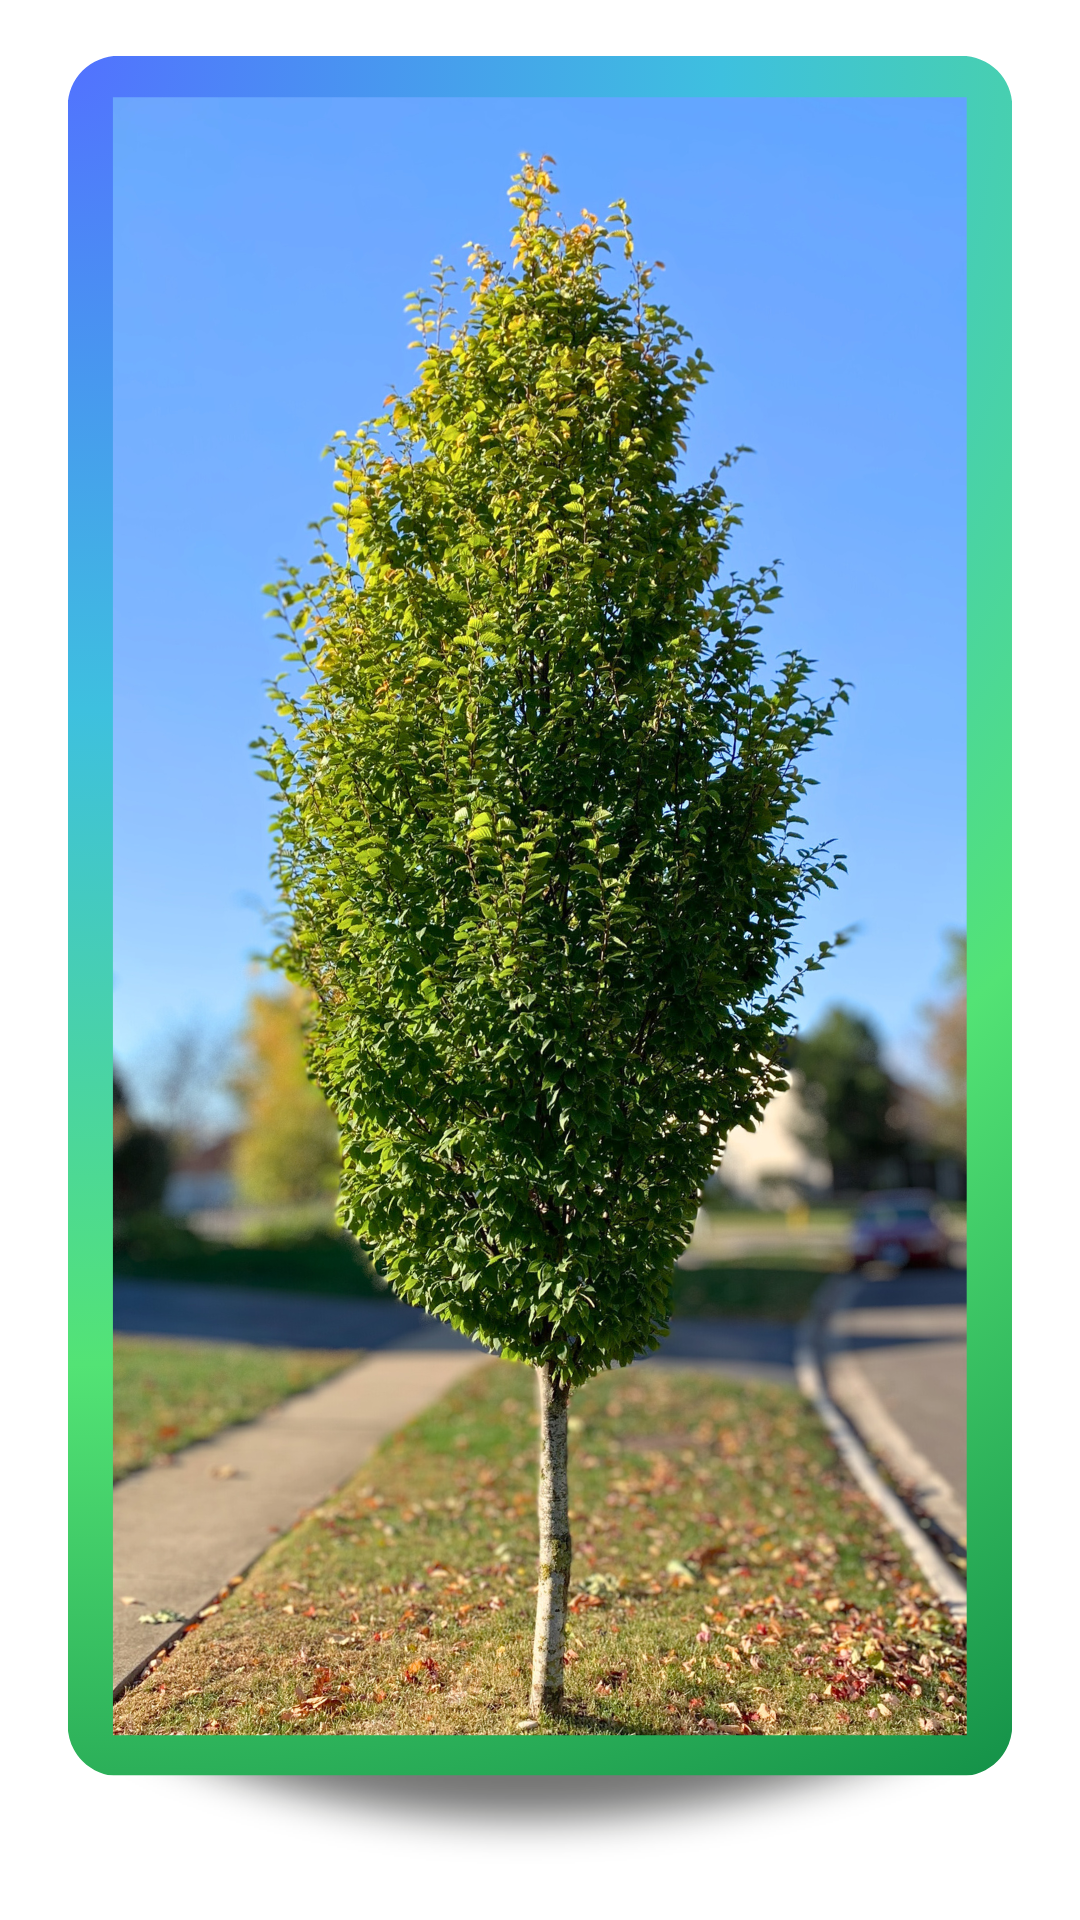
x,y
553,1584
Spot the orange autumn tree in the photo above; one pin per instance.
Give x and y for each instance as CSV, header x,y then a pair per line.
x,y
287,1152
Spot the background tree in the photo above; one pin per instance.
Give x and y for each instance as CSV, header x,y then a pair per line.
x,y
537,823
946,1045
186,1069
140,1163
287,1150
855,1106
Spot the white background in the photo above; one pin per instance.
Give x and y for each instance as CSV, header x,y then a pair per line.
x,y
79,1841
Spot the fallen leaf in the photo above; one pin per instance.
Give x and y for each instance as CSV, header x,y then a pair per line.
x,y
597,1585
161,1618
684,1575
613,1680
416,1669
709,1555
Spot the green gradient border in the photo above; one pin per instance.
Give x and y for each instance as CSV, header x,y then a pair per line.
x,y
989,587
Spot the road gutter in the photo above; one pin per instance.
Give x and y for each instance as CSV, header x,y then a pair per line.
x,y
832,1298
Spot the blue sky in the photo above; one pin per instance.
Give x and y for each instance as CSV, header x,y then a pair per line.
x,y
815,250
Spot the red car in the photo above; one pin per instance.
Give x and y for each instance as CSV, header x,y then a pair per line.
x,y
901,1229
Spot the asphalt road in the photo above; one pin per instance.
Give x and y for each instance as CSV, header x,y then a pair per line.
x,y
265,1318
905,1340
744,1348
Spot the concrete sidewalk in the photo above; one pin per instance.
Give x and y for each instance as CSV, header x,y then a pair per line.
x,y
182,1531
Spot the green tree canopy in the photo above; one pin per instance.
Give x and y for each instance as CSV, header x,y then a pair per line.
x,y
852,1100
537,820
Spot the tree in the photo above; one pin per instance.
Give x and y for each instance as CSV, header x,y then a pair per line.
x,y
188,1076
140,1163
855,1106
537,825
947,1048
287,1151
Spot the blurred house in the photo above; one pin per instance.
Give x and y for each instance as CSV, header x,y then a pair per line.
x,y
777,1165
202,1180
774,1166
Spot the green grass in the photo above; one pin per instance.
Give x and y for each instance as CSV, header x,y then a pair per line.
x,y
728,1578
769,1287
167,1393
746,1292
322,1262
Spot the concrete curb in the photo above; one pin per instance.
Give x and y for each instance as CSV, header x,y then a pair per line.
x,y
924,1485
809,1372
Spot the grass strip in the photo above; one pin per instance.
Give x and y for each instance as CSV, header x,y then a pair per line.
x,y
323,1262
777,1293
728,1578
777,1289
167,1393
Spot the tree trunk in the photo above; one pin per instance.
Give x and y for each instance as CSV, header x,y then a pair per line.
x,y
553,1585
